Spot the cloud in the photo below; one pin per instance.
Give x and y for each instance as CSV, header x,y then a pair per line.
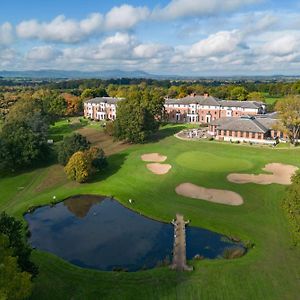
x,y
6,34
64,30
284,45
151,50
60,29
43,53
125,17
216,44
187,8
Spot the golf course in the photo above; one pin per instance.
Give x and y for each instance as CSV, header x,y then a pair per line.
x,y
269,270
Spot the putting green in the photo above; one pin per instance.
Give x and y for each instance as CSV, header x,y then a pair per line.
x,y
207,162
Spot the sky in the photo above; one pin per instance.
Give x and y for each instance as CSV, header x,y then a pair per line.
x,y
182,37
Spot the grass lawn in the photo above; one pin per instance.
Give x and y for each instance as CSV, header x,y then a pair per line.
x,y
271,99
269,271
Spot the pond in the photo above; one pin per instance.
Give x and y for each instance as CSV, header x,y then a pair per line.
x,y
100,233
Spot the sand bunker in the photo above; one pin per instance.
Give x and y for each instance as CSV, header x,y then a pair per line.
x,y
153,157
159,169
213,195
281,174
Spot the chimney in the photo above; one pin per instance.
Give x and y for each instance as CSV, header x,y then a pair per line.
x,y
206,95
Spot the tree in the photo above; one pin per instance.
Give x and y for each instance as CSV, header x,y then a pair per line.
x,y
74,104
289,113
256,96
135,120
23,138
239,93
57,106
13,229
78,168
83,164
291,205
96,158
14,283
92,93
109,128
70,145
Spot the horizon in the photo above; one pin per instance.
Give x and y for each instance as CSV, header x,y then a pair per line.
x,y
166,37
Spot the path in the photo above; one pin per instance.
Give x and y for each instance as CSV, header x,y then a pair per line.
x,y
179,248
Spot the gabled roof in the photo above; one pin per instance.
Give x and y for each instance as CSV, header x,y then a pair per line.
x,y
201,100
212,101
243,104
108,100
245,123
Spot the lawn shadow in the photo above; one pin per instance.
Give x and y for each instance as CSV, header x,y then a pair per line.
x,y
166,131
57,133
115,163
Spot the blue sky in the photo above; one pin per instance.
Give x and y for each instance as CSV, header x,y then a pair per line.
x,y
207,37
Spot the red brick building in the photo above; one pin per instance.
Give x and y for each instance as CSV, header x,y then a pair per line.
x,y
204,109
256,129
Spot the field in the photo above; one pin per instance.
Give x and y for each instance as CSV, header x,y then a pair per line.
x,y
271,270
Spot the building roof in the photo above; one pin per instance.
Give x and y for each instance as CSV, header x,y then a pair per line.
x,y
245,124
212,101
108,100
202,100
243,104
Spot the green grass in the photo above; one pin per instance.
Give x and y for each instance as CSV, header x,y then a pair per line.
x,y
269,271
271,99
69,125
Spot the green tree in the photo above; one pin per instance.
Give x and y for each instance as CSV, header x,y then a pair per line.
x,y
92,93
79,167
109,129
13,229
239,93
289,113
14,283
23,138
96,158
135,121
256,96
70,145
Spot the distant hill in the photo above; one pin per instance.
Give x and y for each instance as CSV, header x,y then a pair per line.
x,y
50,74
115,74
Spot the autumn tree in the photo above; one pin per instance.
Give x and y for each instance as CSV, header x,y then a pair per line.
x,y
74,104
78,168
289,113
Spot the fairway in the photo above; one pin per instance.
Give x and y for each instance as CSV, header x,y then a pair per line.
x,y
271,270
